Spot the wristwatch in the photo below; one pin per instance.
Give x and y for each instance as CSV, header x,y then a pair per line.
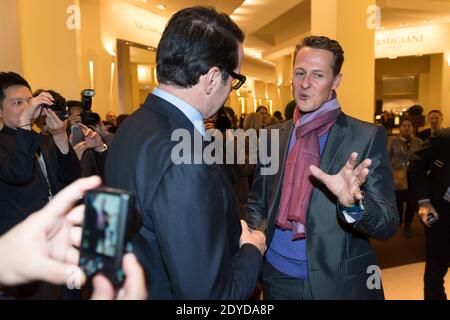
x,y
101,148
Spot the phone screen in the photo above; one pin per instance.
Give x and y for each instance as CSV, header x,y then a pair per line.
x,y
100,232
76,135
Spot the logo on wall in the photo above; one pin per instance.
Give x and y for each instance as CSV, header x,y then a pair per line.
x,y
147,27
399,41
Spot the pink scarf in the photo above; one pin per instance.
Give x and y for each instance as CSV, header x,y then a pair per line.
x,y
297,182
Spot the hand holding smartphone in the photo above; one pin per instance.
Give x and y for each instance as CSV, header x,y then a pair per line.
x,y
110,221
76,135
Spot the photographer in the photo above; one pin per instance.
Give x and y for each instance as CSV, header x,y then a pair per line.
x,y
43,247
91,151
33,167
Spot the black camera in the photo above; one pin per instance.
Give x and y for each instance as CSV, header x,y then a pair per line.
x,y
59,107
109,223
88,118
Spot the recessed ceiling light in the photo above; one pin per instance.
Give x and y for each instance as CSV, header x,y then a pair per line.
x,y
161,7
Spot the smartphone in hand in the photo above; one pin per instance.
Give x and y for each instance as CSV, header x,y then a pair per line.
x,y
76,135
110,221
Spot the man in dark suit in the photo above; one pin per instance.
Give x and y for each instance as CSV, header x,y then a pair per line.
x,y
434,119
319,221
191,244
33,167
429,170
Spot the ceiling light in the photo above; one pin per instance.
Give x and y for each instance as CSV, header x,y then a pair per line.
x,y
161,7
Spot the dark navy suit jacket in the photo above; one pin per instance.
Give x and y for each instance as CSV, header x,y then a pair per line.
x,y
189,241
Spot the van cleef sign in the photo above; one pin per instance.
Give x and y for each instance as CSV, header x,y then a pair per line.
x,y
135,24
147,27
399,41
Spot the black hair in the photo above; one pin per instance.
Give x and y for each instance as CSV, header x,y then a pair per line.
x,y
262,107
230,111
74,103
325,43
9,79
121,118
54,94
406,118
195,40
435,111
223,123
278,115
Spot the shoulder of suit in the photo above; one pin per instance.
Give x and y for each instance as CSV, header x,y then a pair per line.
x,y
146,118
360,124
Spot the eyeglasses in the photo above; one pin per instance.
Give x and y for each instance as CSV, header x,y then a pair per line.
x,y
238,80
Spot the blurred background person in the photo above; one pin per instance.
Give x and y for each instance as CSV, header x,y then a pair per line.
x,y
429,169
278,115
111,118
232,115
253,121
434,119
272,120
264,114
400,149
120,119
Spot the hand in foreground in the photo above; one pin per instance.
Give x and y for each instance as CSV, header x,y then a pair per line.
x,y
133,289
43,246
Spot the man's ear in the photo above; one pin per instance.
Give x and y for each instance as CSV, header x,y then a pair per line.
x,y
212,79
337,81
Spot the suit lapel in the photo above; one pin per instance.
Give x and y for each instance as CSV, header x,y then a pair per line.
x,y
332,147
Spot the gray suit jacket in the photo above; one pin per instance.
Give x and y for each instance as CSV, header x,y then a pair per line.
x,y
339,253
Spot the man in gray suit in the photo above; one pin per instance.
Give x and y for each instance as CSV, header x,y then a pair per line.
x,y
324,203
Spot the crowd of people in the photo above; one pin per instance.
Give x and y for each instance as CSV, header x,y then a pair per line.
x,y
213,231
